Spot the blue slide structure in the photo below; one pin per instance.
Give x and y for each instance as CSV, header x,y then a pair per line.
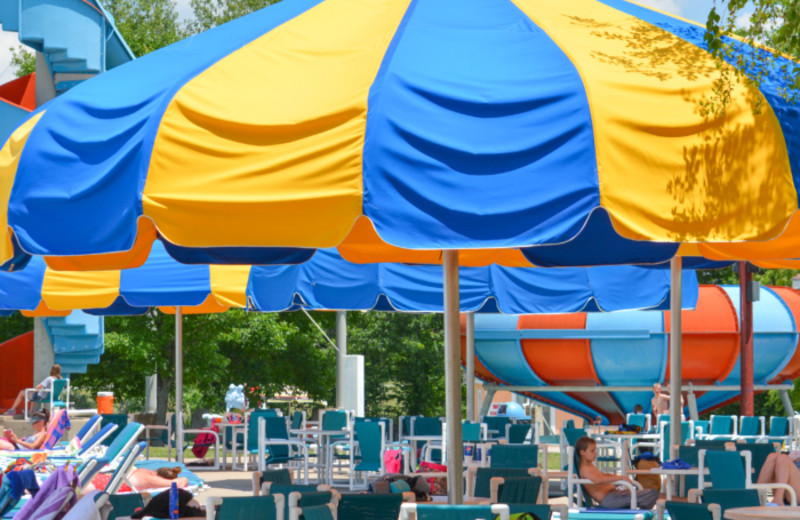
x,y
631,348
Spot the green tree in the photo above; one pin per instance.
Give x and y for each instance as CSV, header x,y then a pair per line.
x,y
726,276
14,325
404,361
774,24
146,25
210,13
23,61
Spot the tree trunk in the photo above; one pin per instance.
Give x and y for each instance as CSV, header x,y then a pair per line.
x,y
164,387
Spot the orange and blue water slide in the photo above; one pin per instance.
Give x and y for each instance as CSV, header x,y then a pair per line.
x,y
631,349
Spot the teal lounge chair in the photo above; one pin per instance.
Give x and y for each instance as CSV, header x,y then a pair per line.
x,y
124,441
515,490
121,473
687,511
442,512
369,507
269,507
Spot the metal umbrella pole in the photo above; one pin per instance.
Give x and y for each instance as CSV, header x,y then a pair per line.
x,y
675,353
179,382
452,369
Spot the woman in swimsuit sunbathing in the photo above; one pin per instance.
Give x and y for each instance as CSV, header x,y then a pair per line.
x,y
31,442
144,478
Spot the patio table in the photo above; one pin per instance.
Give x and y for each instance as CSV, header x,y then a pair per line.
x,y
323,442
762,513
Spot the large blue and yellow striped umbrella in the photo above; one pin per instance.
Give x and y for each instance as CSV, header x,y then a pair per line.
x,y
328,282
568,131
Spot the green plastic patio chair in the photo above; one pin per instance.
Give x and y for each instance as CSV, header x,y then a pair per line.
x,y
302,498
778,430
125,504
524,456
687,511
241,508
540,510
517,433
731,470
274,476
248,443
275,446
482,487
758,454
496,426
54,397
515,490
369,507
750,428
722,427
442,512
322,512
730,498
687,432
313,506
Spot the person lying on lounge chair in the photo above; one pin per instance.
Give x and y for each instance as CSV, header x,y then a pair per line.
x,y
143,478
603,490
31,442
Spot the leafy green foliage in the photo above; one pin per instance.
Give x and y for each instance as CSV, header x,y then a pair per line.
x,y
146,25
773,24
404,361
14,325
726,276
210,13
23,61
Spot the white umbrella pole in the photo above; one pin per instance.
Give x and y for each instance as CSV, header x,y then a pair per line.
x,y
179,382
470,366
452,369
675,356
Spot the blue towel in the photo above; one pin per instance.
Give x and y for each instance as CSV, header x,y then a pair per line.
x,y
19,481
676,464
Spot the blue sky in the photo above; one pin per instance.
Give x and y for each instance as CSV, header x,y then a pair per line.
x,y
696,10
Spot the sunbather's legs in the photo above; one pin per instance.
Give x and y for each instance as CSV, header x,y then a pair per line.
x,y
144,478
6,445
768,469
780,468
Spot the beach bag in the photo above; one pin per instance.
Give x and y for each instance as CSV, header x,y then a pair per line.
x,y
438,484
393,460
648,481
